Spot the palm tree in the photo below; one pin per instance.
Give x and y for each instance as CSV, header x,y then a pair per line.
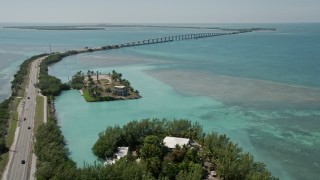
x,y
97,76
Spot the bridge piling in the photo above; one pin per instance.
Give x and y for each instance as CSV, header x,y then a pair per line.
x,y
174,38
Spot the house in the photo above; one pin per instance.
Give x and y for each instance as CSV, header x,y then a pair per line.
x,y
171,142
120,91
122,152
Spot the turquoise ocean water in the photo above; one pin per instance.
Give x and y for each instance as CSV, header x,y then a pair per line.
x,y
262,89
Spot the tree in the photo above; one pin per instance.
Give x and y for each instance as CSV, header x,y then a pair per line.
x,y
108,142
49,85
3,147
152,153
51,152
153,164
156,161
195,173
152,147
77,81
184,128
66,170
108,90
98,76
44,170
116,76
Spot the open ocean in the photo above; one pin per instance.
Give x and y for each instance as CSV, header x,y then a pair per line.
x,y
262,89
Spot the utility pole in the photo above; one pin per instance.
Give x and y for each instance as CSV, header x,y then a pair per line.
x,y
50,47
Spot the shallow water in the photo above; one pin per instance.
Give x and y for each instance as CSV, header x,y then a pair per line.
x,y
269,119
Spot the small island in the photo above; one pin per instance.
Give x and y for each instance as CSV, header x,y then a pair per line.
x,y
95,86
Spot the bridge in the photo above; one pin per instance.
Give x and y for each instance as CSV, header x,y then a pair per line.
x,y
171,39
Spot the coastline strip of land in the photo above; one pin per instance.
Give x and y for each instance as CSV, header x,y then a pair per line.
x,y
105,26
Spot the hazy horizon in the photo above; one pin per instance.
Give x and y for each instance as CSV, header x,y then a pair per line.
x,y
147,23
144,11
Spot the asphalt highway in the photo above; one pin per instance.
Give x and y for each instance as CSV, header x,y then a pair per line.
x,y
21,159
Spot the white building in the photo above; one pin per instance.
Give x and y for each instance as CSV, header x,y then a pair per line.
x,y
122,152
171,142
120,91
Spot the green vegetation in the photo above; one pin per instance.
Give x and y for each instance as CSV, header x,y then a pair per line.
x,y
21,76
14,122
8,113
53,161
117,77
148,157
108,142
12,130
93,88
103,26
38,120
3,162
4,158
99,87
145,139
90,98
8,104
133,134
4,116
50,85
77,81
58,28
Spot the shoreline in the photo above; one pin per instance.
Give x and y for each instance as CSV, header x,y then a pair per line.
x,y
97,86
105,26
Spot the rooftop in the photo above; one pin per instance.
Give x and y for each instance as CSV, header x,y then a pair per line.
x,y
122,151
171,142
119,87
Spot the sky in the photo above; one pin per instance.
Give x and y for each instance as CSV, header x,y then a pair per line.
x,y
159,11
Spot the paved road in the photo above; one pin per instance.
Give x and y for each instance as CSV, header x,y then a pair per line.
x,y
22,150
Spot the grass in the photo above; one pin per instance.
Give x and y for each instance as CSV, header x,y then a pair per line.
x,y
39,113
87,96
3,162
12,130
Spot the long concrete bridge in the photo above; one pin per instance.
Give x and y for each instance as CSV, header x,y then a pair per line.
x,y
171,39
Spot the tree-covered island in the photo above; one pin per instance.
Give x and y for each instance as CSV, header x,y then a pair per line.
x,y
96,86
149,156
178,149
